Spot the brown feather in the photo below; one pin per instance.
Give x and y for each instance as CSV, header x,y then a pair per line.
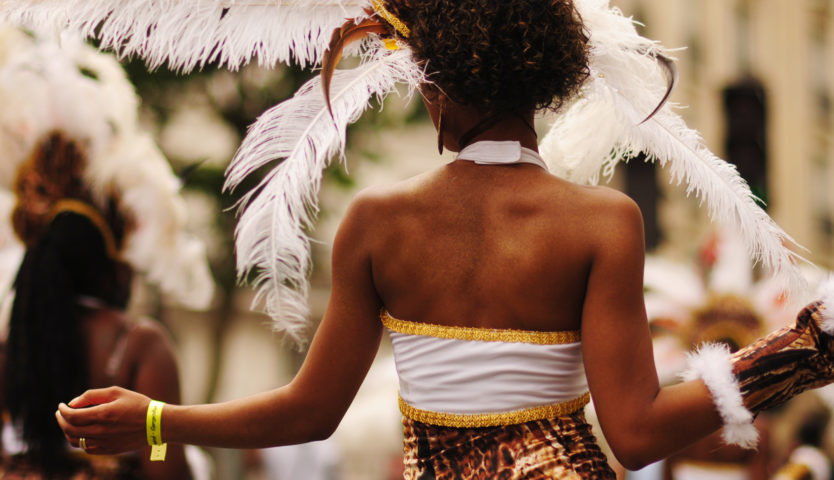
x,y
342,37
671,72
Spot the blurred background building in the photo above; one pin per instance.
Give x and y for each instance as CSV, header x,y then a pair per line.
x,y
757,80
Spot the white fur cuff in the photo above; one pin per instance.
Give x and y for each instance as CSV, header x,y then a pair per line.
x,y
826,294
711,363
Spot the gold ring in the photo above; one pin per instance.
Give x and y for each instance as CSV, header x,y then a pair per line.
x,y
82,442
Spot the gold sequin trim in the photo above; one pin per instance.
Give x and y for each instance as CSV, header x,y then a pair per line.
x,y
389,17
479,420
478,334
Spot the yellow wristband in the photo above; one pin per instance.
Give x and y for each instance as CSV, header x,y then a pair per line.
x,y
153,425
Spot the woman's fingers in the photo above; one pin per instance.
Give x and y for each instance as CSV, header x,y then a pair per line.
x,y
98,440
79,417
92,406
110,420
72,428
95,397
91,445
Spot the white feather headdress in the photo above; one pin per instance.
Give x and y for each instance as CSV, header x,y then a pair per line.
x,y
188,34
87,96
625,85
299,136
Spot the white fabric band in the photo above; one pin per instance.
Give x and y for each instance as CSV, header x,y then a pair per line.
x,y
472,377
712,364
488,152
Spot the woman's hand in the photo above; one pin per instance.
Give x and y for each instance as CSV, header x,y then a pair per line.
x,y
111,420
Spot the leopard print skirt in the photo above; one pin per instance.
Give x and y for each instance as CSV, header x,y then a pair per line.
x,y
562,447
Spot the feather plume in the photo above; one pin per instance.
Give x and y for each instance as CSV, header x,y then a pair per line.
x,y
626,84
188,34
342,37
87,96
302,135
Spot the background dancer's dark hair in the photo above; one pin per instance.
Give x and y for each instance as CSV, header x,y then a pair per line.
x,y
46,354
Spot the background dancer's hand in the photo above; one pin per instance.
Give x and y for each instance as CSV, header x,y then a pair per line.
x,y
111,420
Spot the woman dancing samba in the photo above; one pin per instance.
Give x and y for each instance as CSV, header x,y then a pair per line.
x,y
510,295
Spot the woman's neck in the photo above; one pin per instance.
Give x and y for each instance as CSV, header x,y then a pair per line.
x,y
504,127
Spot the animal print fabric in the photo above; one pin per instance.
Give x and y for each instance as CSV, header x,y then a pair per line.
x,y
785,363
563,447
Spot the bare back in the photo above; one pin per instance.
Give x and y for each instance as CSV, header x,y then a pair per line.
x,y
486,246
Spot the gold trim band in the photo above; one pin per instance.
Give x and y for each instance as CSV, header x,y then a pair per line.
x,y
389,17
478,334
480,420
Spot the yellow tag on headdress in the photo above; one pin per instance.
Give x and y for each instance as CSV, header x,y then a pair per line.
x,y
391,43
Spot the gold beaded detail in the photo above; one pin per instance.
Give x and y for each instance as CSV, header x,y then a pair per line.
x,y
479,420
478,334
389,17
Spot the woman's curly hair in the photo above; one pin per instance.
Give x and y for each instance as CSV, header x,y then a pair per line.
x,y
498,55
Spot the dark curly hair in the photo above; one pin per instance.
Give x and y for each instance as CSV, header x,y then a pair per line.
x,y
498,55
54,171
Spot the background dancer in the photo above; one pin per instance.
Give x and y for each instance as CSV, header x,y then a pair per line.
x,y
69,331
80,161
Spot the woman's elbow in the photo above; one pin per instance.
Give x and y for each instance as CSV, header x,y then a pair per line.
x,y
632,453
320,427
632,462
321,432
312,418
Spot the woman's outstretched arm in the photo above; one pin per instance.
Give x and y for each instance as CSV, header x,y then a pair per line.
x,y
308,408
641,421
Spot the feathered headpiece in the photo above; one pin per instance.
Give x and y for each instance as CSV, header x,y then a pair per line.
x,y
714,297
84,98
302,134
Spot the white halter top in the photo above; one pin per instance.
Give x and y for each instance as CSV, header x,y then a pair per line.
x,y
478,377
488,152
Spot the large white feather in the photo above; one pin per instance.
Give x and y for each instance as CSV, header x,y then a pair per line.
x,y
301,135
188,34
626,84
624,87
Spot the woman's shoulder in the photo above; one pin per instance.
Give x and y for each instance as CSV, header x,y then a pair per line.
x,y
389,194
608,200
594,201
145,333
603,215
151,361
614,219
384,201
145,342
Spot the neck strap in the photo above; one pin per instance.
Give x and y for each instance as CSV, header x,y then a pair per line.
x,y
488,152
